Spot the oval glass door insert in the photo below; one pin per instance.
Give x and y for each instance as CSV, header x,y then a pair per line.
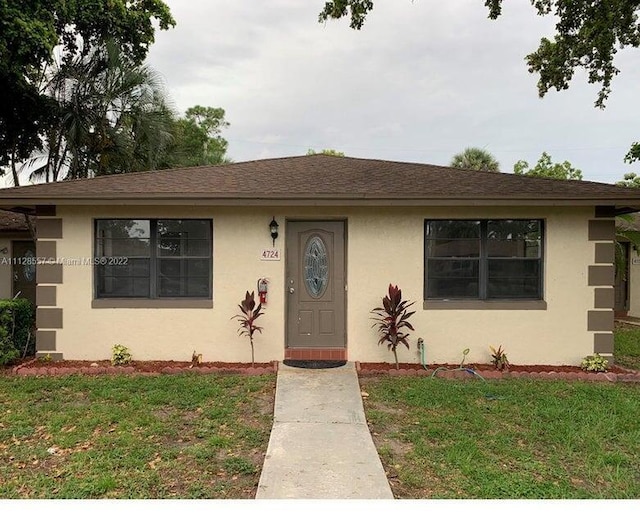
x,y
29,266
316,267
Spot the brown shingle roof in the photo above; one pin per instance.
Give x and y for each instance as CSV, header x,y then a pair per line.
x,y
321,177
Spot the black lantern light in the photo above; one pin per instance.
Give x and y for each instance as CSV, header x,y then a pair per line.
x,y
273,227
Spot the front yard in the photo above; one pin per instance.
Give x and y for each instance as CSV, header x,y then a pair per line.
x,y
205,436
513,438
172,436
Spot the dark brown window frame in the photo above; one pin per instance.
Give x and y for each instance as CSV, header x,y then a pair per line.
x,y
153,300
469,303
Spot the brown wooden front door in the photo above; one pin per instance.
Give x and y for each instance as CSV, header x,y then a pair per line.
x,y
24,269
315,284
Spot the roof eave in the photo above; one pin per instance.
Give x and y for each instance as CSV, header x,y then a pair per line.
x,y
22,202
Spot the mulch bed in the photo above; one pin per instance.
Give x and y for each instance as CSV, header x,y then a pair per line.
x,y
614,374
36,367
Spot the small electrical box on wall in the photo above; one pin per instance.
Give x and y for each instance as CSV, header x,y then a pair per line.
x,y
263,289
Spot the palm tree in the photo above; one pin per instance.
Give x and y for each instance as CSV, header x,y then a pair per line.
x,y
475,158
112,117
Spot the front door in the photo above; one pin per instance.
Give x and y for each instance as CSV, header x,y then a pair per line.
x,y
315,280
24,270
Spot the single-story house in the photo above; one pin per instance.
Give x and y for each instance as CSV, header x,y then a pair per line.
x,y
159,261
17,257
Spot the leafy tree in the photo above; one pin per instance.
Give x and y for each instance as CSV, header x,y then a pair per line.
x,y
356,9
545,168
630,180
29,33
634,153
330,152
475,158
198,138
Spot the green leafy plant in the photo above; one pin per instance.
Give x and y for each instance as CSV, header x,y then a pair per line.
x,y
45,358
391,319
250,313
16,328
499,358
120,355
594,362
8,352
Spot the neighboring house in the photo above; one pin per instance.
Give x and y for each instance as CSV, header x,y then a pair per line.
x,y
159,261
627,283
17,257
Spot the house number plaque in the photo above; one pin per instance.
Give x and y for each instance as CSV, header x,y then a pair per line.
x,y
270,254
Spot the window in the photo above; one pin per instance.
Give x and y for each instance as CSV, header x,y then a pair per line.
x,y
158,258
483,259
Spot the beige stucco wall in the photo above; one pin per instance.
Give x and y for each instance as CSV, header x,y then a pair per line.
x,y
383,246
555,335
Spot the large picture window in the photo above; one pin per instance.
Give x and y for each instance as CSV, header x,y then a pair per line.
x,y
156,258
483,259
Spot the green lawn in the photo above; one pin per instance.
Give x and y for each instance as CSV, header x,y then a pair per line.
x,y
505,439
204,436
173,436
627,345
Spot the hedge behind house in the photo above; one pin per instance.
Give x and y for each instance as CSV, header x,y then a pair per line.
x,y
17,318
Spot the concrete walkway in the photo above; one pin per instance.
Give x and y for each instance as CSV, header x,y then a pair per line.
x,y
320,446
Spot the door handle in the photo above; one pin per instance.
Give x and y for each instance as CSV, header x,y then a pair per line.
x,y
291,290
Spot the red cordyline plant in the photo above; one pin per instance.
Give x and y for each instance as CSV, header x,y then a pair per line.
x,y
391,320
247,319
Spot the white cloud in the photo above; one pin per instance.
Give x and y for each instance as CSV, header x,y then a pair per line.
x,y
420,82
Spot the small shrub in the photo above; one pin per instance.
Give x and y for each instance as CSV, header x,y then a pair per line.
x,y
391,320
121,355
499,358
250,313
45,358
594,363
16,329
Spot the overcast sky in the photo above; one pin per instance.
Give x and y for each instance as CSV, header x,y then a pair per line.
x,y
420,82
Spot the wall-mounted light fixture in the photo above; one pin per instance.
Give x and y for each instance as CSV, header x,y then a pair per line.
x,y
273,227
